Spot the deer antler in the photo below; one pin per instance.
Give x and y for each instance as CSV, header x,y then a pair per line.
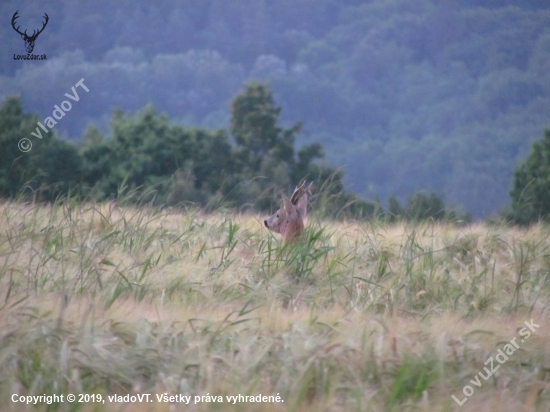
x,y
299,191
43,26
34,36
15,16
34,33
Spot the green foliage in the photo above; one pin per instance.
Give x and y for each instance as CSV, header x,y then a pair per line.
x,y
50,169
254,128
149,154
530,192
14,125
412,378
394,208
421,206
265,151
147,158
266,158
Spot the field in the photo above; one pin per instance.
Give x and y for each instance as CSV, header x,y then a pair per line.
x,y
113,299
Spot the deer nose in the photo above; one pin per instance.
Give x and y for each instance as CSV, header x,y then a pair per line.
x,y
265,224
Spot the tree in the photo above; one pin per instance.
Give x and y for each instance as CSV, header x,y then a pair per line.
x,y
265,150
148,153
14,126
531,188
422,206
51,166
254,128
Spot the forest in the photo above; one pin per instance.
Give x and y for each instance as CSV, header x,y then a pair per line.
x,y
403,96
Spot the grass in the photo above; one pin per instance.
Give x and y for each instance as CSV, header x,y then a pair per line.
x,y
358,316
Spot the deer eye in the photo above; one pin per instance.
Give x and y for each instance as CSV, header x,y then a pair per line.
x,y
277,215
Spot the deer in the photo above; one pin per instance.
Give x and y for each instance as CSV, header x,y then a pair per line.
x,y
29,40
289,220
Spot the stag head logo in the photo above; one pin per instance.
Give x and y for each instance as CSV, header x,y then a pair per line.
x,y
29,40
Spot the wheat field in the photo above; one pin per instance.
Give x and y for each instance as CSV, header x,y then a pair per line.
x,y
107,301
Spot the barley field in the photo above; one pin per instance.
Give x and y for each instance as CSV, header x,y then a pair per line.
x,y
111,301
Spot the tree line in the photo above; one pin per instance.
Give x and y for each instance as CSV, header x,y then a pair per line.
x,y
148,158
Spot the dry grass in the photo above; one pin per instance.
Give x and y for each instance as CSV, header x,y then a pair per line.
x,y
102,299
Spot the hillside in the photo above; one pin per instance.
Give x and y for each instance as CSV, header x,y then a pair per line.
x,y
443,96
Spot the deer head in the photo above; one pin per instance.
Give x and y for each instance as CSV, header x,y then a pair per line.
x,y
29,40
289,220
